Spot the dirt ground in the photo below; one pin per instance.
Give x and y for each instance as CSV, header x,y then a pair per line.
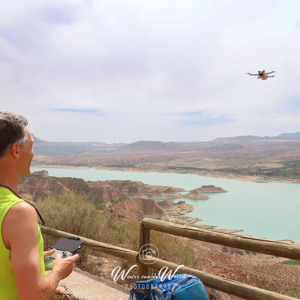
x,y
81,285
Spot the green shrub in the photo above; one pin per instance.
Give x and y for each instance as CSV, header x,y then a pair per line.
x,y
77,215
293,262
73,213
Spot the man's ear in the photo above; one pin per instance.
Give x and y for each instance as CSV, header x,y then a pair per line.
x,y
15,150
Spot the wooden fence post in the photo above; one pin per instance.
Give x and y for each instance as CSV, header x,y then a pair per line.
x,y
144,240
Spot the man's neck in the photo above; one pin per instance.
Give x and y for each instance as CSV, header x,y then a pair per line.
x,y
9,171
12,180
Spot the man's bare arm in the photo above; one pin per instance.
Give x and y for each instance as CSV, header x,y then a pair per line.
x,y
20,234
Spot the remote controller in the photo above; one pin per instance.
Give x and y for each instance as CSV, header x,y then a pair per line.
x,y
50,259
65,247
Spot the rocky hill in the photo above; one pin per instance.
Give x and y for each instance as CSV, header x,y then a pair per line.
x,y
140,189
120,197
137,208
130,199
209,189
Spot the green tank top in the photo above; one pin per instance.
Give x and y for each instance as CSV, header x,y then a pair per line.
x,y
8,287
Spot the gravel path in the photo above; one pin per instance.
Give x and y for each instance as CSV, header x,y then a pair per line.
x,y
84,286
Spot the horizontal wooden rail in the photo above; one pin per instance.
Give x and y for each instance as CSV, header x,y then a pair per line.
x,y
226,285
276,248
222,284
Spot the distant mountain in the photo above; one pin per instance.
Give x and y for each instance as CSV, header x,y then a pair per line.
x,y
290,136
42,147
152,146
37,140
283,136
239,138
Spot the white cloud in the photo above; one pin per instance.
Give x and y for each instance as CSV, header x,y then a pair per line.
x,y
143,64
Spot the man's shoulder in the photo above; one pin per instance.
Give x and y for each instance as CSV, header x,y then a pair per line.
x,y
20,221
22,209
21,214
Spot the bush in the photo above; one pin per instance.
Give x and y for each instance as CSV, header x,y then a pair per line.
x,y
73,213
77,215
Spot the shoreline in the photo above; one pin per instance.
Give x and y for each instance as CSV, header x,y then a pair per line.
x,y
194,222
183,219
256,179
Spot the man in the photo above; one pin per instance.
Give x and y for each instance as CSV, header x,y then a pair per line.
x,y
22,270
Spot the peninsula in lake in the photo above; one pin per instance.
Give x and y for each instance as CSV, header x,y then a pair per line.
x,y
125,198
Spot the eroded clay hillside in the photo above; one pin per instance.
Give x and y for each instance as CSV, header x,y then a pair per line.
x,y
124,198
132,200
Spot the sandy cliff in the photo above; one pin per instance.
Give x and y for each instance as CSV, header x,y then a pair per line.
x,y
130,199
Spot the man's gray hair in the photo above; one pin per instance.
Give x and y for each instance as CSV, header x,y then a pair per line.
x,y
11,130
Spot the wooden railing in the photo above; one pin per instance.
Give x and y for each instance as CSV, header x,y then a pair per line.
x,y
231,240
222,284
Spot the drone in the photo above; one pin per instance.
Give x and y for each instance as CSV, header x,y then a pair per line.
x,y
263,75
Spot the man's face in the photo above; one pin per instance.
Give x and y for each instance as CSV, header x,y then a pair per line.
x,y
26,154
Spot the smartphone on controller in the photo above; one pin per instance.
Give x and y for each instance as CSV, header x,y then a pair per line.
x,y
65,247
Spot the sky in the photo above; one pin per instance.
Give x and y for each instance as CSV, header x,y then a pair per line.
x,y
165,70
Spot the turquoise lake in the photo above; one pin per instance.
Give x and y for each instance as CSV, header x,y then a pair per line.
x,y
266,210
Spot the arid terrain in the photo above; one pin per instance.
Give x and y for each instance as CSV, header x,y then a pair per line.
x,y
247,158
132,200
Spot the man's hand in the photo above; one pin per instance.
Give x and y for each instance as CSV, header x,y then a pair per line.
x,y
48,253
64,266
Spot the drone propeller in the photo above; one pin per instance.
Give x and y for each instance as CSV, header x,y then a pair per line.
x,y
271,72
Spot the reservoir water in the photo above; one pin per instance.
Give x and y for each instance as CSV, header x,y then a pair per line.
x,y
266,210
